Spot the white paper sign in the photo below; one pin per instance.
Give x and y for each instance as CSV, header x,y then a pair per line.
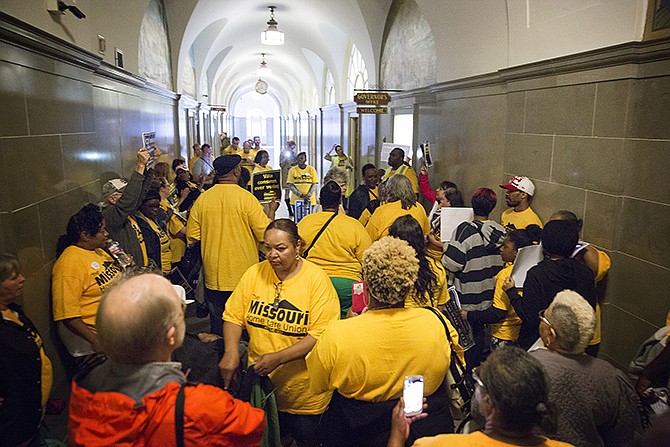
x,y
451,217
526,258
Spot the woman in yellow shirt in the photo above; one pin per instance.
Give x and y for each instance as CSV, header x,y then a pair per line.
x,y
339,249
82,272
284,303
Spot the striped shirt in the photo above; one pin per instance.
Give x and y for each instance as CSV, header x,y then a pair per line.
x,y
473,259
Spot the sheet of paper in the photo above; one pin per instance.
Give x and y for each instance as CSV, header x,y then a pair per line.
x,y
581,245
526,258
450,218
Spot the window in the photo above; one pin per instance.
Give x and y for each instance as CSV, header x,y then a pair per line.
x,y
358,74
329,94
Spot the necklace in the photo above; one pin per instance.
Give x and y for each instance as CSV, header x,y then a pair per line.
x,y
275,303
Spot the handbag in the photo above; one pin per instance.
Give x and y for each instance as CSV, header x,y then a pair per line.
x,y
460,386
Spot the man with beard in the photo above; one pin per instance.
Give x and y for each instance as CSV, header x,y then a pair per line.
x,y
519,194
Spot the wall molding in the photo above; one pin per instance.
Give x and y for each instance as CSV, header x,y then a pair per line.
x,y
29,38
608,63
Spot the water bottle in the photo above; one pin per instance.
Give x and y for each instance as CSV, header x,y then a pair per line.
x,y
124,259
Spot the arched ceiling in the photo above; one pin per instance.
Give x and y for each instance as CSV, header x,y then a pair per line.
x,y
222,38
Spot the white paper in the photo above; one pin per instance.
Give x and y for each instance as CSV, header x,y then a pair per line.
x,y
453,294
581,245
388,147
526,258
450,218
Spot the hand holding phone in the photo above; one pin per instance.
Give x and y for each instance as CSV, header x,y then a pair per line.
x,y
413,395
359,297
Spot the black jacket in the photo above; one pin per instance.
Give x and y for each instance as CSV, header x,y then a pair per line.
x,y
360,200
20,380
542,284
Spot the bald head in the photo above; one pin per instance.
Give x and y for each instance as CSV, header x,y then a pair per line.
x,y
139,320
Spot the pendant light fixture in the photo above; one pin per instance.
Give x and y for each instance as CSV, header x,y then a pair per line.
x,y
272,35
263,71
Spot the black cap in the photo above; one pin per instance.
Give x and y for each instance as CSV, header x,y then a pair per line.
x,y
226,163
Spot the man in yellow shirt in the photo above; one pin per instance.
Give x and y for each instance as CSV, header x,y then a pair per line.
x,y
234,147
302,180
519,194
397,165
229,222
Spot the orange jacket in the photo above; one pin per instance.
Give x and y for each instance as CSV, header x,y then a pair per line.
x,y
211,418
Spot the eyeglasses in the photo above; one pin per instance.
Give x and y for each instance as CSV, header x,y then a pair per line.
x,y
476,378
542,318
275,303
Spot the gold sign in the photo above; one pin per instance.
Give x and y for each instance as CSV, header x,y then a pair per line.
x,y
372,99
372,110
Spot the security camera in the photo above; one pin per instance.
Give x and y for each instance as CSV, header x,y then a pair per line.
x,y
62,7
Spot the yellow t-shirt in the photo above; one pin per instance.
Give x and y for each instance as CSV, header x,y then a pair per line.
x,y
230,151
476,439
303,179
177,246
46,375
307,304
520,219
441,292
229,222
604,264
79,278
339,250
367,357
385,215
509,328
259,168
405,170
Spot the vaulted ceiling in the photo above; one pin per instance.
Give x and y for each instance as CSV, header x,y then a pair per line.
x,y
222,41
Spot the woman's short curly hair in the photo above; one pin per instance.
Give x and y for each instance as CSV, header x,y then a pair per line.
x,y
390,269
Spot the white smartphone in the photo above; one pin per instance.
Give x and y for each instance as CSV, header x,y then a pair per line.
x,y
413,395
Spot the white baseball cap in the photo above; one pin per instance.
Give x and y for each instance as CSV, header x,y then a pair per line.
x,y
520,183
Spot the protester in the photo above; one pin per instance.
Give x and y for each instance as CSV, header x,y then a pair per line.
x,y
284,303
364,359
599,262
120,199
26,374
82,272
511,403
503,320
365,199
595,404
133,398
397,165
341,161
155,235
430,288
472,256
398,199
229,222
557,272
519,194
302,181
339,248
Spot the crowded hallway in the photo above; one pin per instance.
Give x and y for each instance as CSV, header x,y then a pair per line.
x,y
227,240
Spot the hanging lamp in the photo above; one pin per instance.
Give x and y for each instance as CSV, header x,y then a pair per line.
x,y
272,35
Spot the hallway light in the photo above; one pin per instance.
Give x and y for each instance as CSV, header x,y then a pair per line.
x,y
263,71
272,35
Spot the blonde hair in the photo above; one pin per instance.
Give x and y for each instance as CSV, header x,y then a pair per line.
x,y
390,269
574,321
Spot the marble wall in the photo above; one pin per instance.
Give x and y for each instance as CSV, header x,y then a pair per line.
x,y
591,131
66,127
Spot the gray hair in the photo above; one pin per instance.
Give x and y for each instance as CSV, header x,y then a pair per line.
x,y
133,318
397,188
9,265
336,175
574,321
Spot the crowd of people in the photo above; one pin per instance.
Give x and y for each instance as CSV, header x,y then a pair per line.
x,y
280,297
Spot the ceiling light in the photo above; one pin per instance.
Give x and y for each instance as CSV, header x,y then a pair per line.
x,y
263,71
271,35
